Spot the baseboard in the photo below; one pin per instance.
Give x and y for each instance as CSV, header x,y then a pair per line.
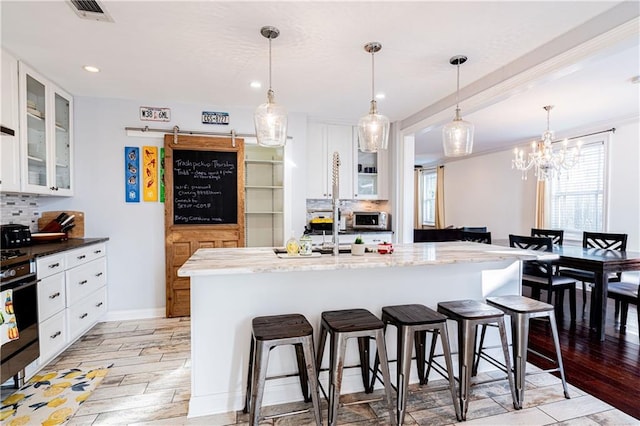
x,y
135,314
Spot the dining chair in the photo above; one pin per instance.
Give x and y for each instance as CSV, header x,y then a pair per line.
x,y
556,235
624,292
476,237
539,275
598,240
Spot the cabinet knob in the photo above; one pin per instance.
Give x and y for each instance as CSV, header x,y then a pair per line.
x,y
98,305
56,334
83,282
83,316
54,295
54,265
99,274
82,256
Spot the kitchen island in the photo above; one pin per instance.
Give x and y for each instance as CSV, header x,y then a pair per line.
x,y
231,286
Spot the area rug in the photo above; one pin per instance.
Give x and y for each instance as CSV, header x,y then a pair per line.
x,y
51,398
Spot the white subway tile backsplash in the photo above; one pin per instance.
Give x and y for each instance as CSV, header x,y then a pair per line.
x,y
22,209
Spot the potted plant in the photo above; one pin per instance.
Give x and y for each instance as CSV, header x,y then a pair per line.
x,y
357,247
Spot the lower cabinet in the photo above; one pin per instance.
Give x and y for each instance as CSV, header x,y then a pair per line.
x,y
72,296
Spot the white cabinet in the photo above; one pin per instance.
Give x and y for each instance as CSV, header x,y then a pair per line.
x,y
9,144
46,135
72,296
323,140
370,173
264,196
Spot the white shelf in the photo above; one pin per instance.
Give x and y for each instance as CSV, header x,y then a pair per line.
x,y
264,187
36,116
265,212
263,161
36,159
60,128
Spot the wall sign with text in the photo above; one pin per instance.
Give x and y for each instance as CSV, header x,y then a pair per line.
x,y
212,117
155,114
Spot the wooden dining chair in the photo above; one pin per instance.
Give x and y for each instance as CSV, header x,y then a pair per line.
x,y
539,275
624,292
598,240
476,237
556,235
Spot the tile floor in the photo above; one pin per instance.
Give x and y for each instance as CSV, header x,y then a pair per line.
x,y
150,380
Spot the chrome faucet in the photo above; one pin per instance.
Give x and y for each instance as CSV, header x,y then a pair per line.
x,y
336,202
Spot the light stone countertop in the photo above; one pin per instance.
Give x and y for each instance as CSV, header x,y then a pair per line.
x,y
227,261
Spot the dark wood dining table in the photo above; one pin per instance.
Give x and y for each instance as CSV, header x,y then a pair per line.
x,y
602,263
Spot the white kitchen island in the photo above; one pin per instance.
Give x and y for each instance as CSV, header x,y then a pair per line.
x,y
231,286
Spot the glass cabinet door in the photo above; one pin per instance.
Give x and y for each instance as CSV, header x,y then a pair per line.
x,y
36,132
62,142
367,175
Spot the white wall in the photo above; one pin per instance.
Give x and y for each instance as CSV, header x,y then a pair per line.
x,y
485,191
136,274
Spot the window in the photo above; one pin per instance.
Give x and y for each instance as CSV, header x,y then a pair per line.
x,y
577,197
428,180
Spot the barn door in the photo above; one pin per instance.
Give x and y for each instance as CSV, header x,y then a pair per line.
x,y
204,205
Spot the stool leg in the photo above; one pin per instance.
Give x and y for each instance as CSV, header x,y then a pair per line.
x,y
556,343
520,334
572,303
434,340
310,366
480,346
259,378
384,366
247,398
466,343
447,358
338,346
320,351
507,361
419,341
405,335
302,372
363,349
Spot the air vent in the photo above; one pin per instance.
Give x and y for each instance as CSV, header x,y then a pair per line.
x,y
90,9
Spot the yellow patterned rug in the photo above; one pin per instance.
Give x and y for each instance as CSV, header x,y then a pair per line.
x,y
51,398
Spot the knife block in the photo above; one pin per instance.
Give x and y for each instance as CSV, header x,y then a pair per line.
x,y
75,232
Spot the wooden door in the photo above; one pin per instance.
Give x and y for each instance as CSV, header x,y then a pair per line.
x,y
199,214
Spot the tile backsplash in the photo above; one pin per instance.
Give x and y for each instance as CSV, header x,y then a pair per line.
x,y
347,207
21,209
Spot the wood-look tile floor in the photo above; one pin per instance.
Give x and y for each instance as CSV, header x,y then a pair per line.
x,y
149,384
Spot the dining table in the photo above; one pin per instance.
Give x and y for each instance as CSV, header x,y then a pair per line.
x,y
602,263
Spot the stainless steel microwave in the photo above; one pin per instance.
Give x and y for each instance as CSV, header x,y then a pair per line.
x,y
371,220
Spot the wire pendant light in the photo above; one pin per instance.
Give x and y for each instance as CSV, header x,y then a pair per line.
x,y
457,136
373,128
270,118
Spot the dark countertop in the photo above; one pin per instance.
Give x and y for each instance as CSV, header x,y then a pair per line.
x,y
45,249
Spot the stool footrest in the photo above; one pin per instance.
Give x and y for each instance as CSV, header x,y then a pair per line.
x,y
290,413
361,401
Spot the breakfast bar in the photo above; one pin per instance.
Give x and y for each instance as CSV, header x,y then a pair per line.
x,y
230,286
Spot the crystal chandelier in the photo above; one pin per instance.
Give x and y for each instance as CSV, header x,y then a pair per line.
x,y
457,136
546,162
373,128
270,118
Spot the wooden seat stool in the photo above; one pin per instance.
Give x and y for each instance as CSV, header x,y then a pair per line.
x,y
521,309
343,325
413,322
277,330
469,314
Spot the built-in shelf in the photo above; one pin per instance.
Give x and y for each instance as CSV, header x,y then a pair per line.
x,y
35,115
367,174
60,128
263,161
264,187
265,212
36,159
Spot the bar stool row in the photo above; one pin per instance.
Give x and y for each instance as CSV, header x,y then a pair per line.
x,y
412,322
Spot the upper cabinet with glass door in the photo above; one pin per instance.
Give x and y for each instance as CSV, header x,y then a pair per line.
x,y
371,173
46,120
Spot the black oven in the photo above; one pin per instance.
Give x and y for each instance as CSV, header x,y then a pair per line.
x,y
19,275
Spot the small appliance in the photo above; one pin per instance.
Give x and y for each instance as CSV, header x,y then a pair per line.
x,y
14,235
371,220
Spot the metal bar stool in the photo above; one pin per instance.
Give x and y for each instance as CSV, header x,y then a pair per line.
x,y
343,325
521,309
413,322
277,330
469,314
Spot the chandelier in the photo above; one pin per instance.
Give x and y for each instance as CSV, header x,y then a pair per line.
x,y
373,128
545,162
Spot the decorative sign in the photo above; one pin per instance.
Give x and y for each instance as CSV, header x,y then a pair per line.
x,y
155,114
132,174
211,117
150,173
205,187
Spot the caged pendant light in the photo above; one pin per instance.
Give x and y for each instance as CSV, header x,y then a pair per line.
x,y
457,136
270,118
373,128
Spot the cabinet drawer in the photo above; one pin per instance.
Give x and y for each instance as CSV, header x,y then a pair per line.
x,y
85,254
51,296
53,336
86,313
85,279
49,265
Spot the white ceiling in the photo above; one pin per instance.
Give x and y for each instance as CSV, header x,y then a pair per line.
x,y
209,51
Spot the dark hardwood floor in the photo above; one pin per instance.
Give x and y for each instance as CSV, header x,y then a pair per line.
x,y
608,370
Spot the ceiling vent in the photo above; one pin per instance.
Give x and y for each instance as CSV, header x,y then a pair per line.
x,y
90,9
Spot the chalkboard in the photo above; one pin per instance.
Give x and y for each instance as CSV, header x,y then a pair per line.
x,y
205,187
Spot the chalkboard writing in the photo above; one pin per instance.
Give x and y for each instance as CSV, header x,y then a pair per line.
x,y
205,187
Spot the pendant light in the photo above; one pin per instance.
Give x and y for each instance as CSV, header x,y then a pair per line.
x,y
457,136
270,118
373,128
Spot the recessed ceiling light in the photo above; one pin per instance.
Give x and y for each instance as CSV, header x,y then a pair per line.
x,y
380,96
256,84
91,68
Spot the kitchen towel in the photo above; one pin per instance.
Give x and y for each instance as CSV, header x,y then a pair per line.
x,y
8,325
